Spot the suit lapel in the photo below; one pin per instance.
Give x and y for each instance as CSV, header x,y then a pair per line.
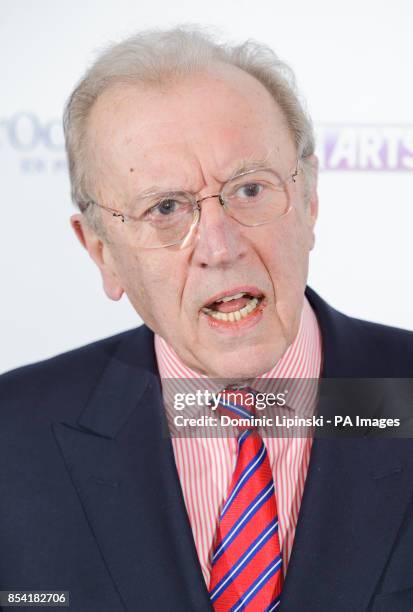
x,y
121,463
356,495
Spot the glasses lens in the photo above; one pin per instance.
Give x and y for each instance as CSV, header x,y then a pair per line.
x,y
165,220
256,198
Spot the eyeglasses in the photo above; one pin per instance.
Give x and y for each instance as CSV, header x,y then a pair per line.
x,y
252,198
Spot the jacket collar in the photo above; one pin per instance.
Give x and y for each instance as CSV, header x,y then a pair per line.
x,y
133,368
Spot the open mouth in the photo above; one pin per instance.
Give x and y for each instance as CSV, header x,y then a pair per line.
x,y
232,308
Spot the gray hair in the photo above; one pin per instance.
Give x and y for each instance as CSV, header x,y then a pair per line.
x,y
155,56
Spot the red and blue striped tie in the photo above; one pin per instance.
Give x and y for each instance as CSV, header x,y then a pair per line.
x,y
246,562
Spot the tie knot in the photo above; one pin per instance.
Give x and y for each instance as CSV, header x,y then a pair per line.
x,y
239,404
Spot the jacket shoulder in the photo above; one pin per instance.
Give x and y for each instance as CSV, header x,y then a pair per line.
x,y
354,347
61,381
388,349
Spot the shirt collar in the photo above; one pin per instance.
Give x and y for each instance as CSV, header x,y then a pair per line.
x,y
302,359
295,375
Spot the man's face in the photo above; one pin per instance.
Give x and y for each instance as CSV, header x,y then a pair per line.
x,y
192,136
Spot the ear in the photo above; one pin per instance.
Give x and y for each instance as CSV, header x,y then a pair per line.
x,y
100,253
312,202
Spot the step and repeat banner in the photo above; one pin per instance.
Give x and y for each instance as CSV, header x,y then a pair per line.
x,y
353,67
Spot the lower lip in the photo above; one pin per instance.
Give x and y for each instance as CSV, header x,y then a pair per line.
x,y
247,322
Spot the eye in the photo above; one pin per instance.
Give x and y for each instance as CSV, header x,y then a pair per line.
x,y
249,190
165,207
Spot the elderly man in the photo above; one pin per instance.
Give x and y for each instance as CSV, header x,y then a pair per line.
x,y
193,167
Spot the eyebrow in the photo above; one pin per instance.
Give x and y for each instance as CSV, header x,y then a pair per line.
x,y
250,164
245,165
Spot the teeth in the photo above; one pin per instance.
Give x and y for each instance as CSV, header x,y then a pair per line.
x,y
228,298
237,315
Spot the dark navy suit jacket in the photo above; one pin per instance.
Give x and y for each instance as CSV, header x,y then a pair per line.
x,y
90,499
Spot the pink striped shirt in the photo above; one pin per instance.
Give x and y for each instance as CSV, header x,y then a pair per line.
x,y
205,464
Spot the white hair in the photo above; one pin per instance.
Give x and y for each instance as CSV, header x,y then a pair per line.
x,y
153,57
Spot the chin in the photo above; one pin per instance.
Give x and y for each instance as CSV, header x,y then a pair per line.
x,y
249,364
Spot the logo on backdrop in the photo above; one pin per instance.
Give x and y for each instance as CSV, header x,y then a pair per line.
x,y
36,145
380,148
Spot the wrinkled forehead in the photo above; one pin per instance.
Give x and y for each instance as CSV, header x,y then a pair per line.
x,y
211,122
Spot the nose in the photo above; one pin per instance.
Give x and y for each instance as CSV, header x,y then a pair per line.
x,y
219,241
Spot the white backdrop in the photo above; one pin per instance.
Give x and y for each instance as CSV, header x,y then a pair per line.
x,y
353,63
